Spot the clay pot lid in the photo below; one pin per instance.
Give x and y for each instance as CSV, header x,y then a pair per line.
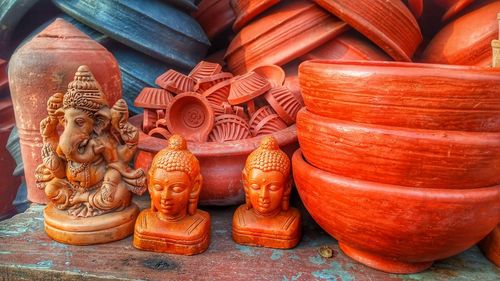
x,y
230,127
190,115
273,73
215,16
388,23
260,114
175,82
284,102
218,93
247,87
246,10
160,132
269,124
153,98
453,7
206,83
205,69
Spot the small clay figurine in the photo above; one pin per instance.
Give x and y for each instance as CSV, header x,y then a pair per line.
x,y
266,219
174,224
85,172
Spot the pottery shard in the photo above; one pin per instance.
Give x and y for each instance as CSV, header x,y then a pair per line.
x,y
260,114
269,125
247,87
153,98
205,69
229,127
175,82
284,103
204,84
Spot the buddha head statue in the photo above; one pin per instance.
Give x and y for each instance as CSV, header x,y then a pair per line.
x,y
174,181
266,179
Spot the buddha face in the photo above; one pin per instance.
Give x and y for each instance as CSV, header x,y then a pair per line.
x,y
170,193
265,190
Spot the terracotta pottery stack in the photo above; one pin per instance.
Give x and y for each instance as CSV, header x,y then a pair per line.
x,y
399,161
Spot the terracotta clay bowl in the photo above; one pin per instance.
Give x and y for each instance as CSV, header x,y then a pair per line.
x,y
246,87
284,102
214,16
273,73
388,23
246,10
284,33
393,228
221,163
218,93
175,82
466,40
260,114
400,156
160,132
190,115
426,96
205,69
491,246
230,127
153,98
268,125
206,83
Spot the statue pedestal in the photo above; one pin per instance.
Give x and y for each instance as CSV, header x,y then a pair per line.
x,y
282,231
92,230
188,236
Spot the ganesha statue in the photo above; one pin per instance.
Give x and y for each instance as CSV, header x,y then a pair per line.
x,y
85,173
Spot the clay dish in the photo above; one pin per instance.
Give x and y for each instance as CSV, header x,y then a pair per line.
x,y
175,82
190,115
465,40
260,114
445,97
388,23
246,87
491,246
284,33
246,10
214,16
160,132
205,69
269,125
206,83
153,98
284,102
393,228
221,163
230,127
218,93
401,156
4,81
273,73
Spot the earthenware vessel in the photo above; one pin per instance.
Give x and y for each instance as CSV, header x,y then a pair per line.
x,y
416,158
175,82
284,33
190,115
260,114
465,40
221,163
491,246
160,132
229,127
387,23
246,10
215,16
269,124
447,97
266,219
4,80
44,65
205,69
246,87
218,93
206,83
284,102
160,25
273,73
452,7
154,101
393,228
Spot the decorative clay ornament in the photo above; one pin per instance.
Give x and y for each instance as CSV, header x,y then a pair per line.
x,y
173,224
266,219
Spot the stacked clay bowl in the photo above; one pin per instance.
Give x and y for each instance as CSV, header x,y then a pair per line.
x,y
399,161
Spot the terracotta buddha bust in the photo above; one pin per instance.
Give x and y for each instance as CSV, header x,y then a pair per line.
x,y
266,219
173,224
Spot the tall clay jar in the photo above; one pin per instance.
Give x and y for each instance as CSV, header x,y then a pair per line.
x,y
44,66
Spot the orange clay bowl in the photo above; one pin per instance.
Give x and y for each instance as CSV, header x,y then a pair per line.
x,y
393,228
400,156
221,163
425,96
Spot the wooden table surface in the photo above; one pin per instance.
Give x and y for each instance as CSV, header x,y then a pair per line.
x,y
26,253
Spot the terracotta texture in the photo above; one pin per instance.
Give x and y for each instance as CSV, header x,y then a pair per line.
x,y
266,219
154,101
173,224
260,114
268,125
400,156
175,82
229,127
215,16
246,87
491,246
206,83
190,115
466,40
273,73
286,32
218,93
246,10
388,23
160,132
284,102
205,69
85,170
452,7
392,228
45,65
446,98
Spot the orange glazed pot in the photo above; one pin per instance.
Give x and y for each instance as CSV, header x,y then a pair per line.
x,y
393,228
425,96
221,163
400,156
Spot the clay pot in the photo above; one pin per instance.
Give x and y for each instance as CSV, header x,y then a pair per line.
x,y
218,93
154,101
400,156
205,69
273,73
160,132
190,115
214,16
268,125
246,87
286,32
466,40
260,114
175,82
491,246
246,10
206,83
388,23
394,228
284,102
230,127
43,66
221,163
425,96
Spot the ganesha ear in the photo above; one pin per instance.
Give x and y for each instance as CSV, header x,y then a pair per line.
x,y
195,194
102,119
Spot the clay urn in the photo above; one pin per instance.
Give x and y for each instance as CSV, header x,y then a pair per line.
x,y
273,73
214,16
392,228
465,40
285,32
191,116
43,66
230,127
387,23
246,10
491,246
